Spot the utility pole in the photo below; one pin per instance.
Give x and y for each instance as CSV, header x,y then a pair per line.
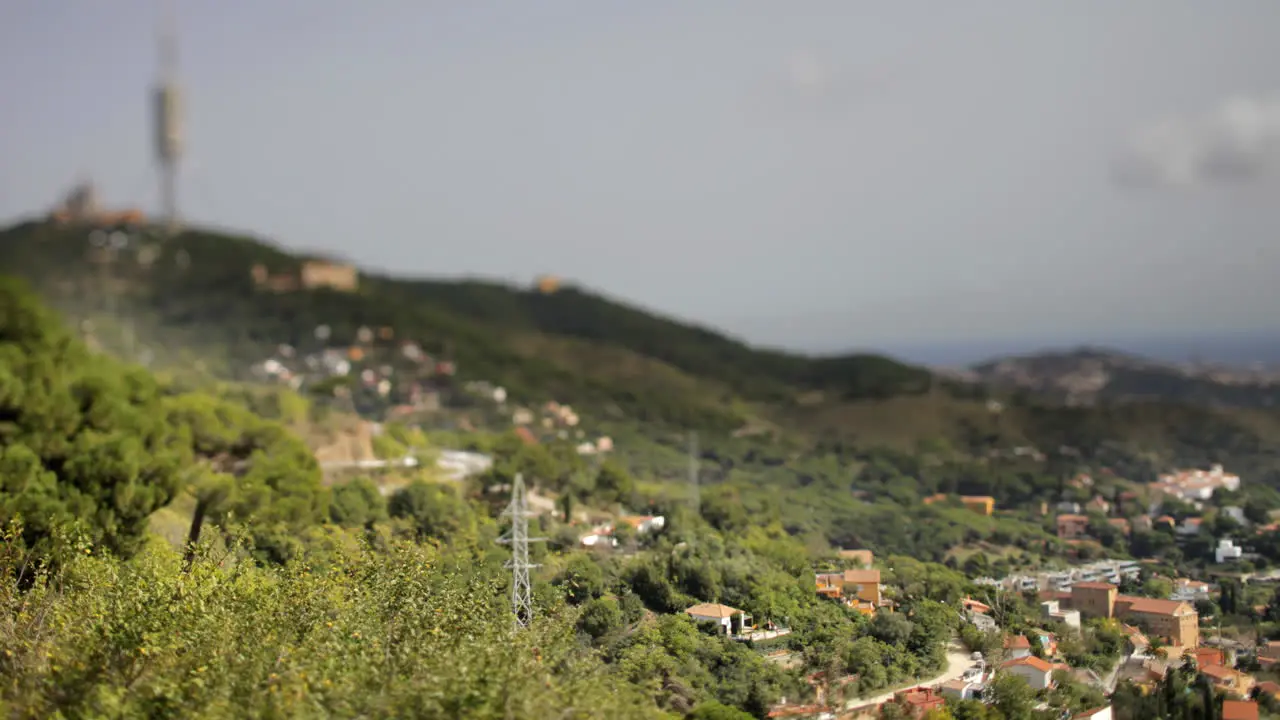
x,y
109,246
693,473
518,539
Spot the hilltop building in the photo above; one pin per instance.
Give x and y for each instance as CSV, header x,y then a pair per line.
x,y
81,206
312,275
547,284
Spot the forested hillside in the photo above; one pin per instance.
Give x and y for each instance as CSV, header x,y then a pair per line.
x,y
292,598
193,302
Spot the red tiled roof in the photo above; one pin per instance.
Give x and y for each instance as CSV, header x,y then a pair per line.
x,y
1017,642
1153,606
1219,672
1239,710
1031,661
1269,687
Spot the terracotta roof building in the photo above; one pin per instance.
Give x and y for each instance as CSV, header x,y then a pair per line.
x,y
1172,619
1239,710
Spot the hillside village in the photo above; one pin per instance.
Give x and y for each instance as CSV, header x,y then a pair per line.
x,y
1136,640
1102,593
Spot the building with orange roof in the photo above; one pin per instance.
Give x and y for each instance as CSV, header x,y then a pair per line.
x,y
920,700
1173,619
1270,688
1206,656
1017,646
1036,671
981,504
1229,680
1239,710
721,615
1072,526
861,585
1101,713
1269,654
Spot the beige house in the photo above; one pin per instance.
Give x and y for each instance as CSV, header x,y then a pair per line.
x,y
722,615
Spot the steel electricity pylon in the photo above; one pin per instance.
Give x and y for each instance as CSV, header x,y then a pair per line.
x,y
518,539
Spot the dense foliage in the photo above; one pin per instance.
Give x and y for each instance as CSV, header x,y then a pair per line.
x,y
391,633
348,602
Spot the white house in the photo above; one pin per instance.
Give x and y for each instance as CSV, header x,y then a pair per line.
x,y
1017,647
602,536
961,689
1053,610
645,524
1185,590
1227,551
1190,526
721,615
458,464
1037,672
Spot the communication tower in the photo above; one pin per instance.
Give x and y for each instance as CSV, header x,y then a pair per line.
x,y
518,539
167,98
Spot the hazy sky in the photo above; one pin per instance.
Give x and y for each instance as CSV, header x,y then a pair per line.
x,y
808,173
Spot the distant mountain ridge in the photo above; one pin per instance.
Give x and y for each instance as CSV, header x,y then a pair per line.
x,y
1090,375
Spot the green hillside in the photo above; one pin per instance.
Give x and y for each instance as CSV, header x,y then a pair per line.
x,y
198,294
631,372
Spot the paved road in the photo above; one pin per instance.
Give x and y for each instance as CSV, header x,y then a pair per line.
x,y
957,662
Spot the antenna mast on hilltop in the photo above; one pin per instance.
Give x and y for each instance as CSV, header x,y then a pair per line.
x,y
518,539
168,116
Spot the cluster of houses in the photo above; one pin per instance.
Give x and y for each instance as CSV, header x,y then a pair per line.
x,y
602,535
1160,634
400,373
404,380
1196,486
561,421
1074,521
1112,571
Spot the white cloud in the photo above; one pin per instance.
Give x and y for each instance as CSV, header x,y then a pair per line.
x,y
1239,141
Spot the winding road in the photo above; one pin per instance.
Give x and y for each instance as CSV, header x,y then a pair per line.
x,y
957,662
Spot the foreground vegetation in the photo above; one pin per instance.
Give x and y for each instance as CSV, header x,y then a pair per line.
x,y
389,633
